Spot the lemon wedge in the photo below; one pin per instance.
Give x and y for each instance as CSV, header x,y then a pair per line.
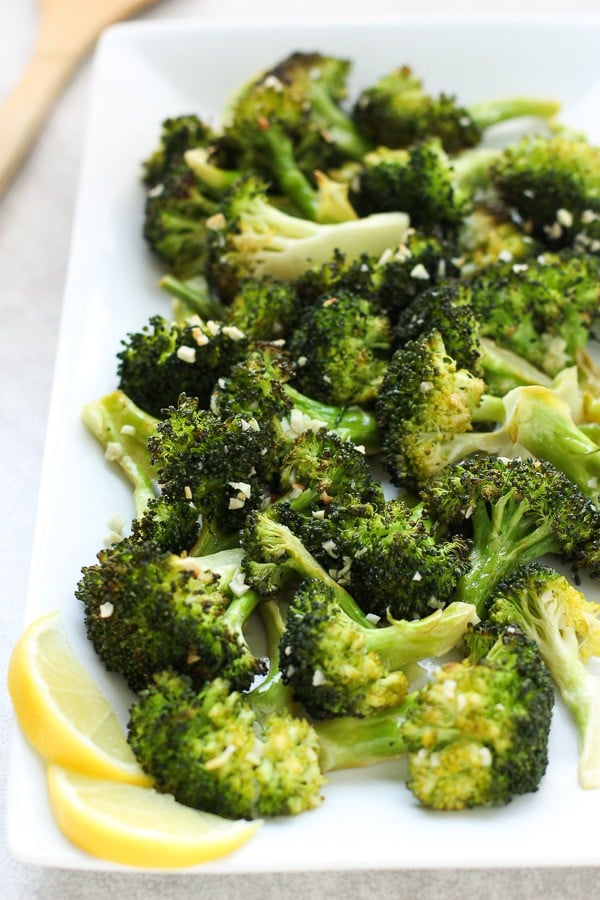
x,y
62,711
137,826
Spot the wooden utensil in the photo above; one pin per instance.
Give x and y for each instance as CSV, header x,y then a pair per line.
x,y
67,30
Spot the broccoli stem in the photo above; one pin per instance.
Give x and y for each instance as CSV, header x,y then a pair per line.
x,y
492,112
352,423
340,128
403,641
505,370
194,297
348,742
541,422
271,695
502,540
123,429
290,179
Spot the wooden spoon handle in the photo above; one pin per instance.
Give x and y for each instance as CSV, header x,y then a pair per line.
x,y
26,109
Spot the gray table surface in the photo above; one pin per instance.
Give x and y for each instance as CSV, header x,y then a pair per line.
x,y
35,226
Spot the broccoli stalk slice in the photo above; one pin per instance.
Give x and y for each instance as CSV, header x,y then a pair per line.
x,y
348,742
123,429
493,112
503,538
352,423
214,179
541,421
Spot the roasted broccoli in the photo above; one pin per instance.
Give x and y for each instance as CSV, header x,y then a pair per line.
x,y
515,511
476,734
566,627
260,388
166,359
250,236
337,667
213,752
178,134
396,111
289,122
420,181
341,346
553,185
147,610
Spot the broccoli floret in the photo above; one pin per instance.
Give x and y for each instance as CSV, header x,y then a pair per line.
x,y
426,411
289,123
337,667
543,309
321,470
166,359
553,184
171,525
260,389
515,511
212,752
123,429
419,181
393,558
396,111
147,610
475,735
178,135
566,627
265,309
341,346
214,463
489,236
249,236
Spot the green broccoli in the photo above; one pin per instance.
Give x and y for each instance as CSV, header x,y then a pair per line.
x,y
341,346
166,359
396,111
420,181
475,735
147,610
515,512
566,627
249,236
289,122
178,134
260,388
337,667
211,751
553,185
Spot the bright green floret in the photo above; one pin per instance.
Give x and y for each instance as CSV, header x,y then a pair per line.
x,y
475,735
337,667
147,610
211,751
566,627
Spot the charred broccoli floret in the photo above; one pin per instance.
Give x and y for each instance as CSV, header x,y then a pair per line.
x,y
289,122
475,735
212,752
249,236
261,389
396,111
420,181
178,134
216,464
147,610
337,667
166,359
553,184
566,627
341,346
515,511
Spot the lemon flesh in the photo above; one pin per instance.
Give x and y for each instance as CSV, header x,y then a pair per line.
x,y
137,826
62,711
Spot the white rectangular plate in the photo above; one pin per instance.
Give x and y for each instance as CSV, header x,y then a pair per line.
x,y
144,73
